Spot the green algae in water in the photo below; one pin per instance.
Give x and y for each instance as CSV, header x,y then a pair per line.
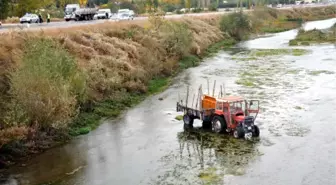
x,y
245,82
293,71
204,157
318,72
274,52
299,52
244,58
236,171
298,107
179,117
210,176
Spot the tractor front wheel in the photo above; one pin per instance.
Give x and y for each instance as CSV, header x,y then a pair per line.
x,y
188,121
239,132
218,124
256,131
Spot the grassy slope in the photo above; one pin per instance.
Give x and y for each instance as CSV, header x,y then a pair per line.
x,y
126,62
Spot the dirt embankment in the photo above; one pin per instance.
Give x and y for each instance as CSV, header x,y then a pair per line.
x,y
63,80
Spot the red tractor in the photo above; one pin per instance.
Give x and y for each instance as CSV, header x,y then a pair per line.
x,y
225,114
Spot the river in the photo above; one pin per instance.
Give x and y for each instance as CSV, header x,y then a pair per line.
x,y
146,145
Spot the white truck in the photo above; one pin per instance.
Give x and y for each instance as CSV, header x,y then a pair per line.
x,y
75,12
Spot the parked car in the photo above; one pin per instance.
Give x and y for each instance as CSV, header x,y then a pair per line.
x,y
29,18
103,14
125,16
126,11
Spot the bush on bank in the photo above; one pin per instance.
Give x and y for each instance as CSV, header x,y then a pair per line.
x,y
67,80
237,25
47,88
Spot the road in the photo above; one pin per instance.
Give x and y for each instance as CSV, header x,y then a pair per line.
x,y
63,24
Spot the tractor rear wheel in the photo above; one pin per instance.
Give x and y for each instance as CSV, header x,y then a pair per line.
x,y
188,121
256,131
218,124
239,132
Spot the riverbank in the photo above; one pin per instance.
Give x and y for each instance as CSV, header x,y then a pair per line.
x,y
99,72
314,36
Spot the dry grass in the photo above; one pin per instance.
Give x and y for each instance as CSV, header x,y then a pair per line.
x,y
11,20
114,56
13,133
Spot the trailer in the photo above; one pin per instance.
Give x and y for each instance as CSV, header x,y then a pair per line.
x,y
75,12
230,114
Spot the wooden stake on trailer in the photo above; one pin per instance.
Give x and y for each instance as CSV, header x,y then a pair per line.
x,y
187,96
213,90
220,93
198,95
192,105
224,90
208,86
200,98
178,97
200,102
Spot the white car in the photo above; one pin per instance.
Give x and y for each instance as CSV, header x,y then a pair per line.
x,y
125,16
29,18
103,14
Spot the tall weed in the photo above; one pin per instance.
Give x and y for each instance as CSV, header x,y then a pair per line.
x,y
175,36
48,85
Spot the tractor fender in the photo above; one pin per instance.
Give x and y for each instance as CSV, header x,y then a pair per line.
x,y
239,118
220,115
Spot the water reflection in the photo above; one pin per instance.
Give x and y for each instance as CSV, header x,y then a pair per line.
x,y
205,157
58,164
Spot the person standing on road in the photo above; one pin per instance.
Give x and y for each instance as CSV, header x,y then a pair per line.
x,y
40,18
48,18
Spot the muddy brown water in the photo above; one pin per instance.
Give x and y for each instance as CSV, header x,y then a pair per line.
x,y
147,145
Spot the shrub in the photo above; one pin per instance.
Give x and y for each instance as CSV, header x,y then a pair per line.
x,y
213,7
237,25
168,7
48,85
196,10
176,38
11,134
293,43
189,61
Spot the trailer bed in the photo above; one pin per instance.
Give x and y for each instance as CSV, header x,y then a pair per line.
x,y
197,114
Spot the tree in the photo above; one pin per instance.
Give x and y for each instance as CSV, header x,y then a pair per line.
x,y
63,3
4,9
182,2
188,4
83,2
149,5
155,4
